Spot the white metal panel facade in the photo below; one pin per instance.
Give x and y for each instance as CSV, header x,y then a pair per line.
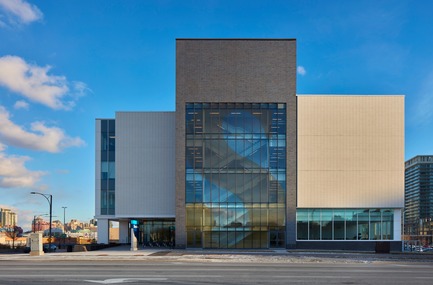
x,y
350,151
145,164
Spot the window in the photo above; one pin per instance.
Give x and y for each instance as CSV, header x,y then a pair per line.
x,y
108,171
345,224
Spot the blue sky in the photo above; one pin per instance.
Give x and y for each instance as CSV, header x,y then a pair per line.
x,y
65,63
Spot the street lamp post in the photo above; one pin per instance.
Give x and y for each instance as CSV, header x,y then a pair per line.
x,y
64,225
49,198
34,223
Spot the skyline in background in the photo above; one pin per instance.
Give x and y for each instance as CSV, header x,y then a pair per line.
x,y
65,63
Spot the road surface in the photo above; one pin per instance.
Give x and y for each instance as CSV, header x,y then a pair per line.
x,y
171,272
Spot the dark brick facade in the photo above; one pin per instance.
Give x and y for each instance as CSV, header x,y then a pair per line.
x,y
236,70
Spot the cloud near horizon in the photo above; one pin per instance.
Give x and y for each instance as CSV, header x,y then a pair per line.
x,y
14,174
34,83
41,137
21,11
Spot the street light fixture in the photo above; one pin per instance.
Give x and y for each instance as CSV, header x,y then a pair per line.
x,y
49,198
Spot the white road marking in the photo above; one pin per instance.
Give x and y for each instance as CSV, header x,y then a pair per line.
x,y
124,280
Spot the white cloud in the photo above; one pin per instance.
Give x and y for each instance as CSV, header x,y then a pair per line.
x,y
41,137
25,219
21,11
80,88
34,83
21,105
301,70
14,174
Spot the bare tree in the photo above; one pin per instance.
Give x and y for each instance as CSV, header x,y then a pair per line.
x,y
14,232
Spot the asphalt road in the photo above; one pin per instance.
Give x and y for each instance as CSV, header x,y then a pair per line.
x,y
149,272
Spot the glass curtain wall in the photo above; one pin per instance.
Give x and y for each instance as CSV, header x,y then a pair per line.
x,y
235,175
108,144
345,224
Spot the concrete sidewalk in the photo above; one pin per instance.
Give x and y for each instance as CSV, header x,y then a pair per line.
x,y
117,251
124,250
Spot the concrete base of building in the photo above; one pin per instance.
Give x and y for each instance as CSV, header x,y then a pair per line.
x,y
375,246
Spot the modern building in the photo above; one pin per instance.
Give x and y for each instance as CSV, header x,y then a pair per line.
x,y
244,162
418,209
39,224
8,218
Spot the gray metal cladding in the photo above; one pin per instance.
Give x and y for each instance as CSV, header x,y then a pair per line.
x,y
145,181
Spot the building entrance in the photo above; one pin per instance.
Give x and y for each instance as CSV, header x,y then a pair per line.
x,y
157,233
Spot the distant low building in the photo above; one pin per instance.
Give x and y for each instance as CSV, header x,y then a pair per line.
x,y
57,224
56,232
40,225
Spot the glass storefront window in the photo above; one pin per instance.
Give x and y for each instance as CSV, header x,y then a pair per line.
x,y
339,225
314,224
387,224
302,224
344,224
363,223
327,225
375,224
157,233
352,225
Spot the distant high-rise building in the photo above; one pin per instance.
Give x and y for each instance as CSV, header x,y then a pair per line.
x,y
8,218
418,212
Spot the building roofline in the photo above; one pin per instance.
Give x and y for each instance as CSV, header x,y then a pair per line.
x,y
352,95
420,155
145,111
235,39
418,160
